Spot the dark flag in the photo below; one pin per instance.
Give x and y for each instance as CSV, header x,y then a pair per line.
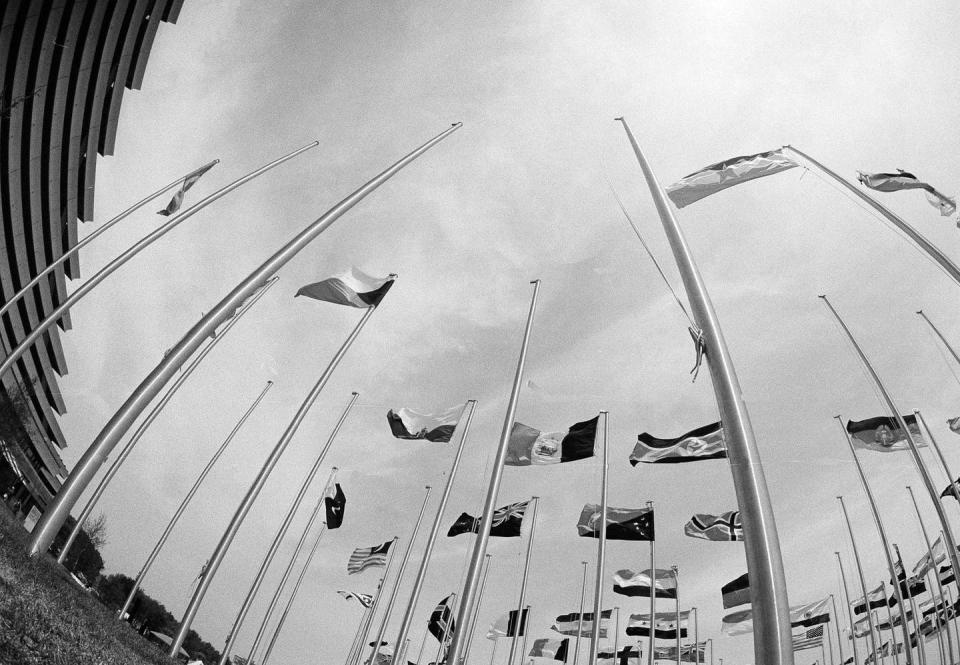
x,y
622,523
950,490
946,575
883,434
506,522
702,443
353,289
506,626
736,592
626,656
554,649
531,446
334,506
909,587
877,598
442,625
188,182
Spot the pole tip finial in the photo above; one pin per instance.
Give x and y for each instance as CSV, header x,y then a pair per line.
x,y
354,393
269,382
534,281
822,296
604,411
456,124
919,311
620,119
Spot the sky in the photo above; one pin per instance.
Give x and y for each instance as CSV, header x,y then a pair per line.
x,y
522,191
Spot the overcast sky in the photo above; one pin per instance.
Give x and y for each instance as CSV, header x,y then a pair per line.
x,y
521,192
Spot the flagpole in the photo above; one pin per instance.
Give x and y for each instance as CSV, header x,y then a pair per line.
x,y
86,467
924,474
903,620
863,586
445,634
829,646
935,568
885,543
483,536
476,610
363,622
616,634
940,456
942,626
931,250
272,606
523,583
493,652
653,594
836,625
696,634
710,639
418,581
768,588
676,576
186,501
940,335
953,610
293,595
521,623
601,550
396,583
376,604
913,607
583,592
148,421
221,550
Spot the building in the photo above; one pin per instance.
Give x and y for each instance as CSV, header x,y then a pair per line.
x,y
64,67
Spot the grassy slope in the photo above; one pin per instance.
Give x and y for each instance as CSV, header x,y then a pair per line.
x,y
46,618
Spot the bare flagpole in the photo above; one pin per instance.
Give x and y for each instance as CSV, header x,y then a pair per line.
x,y
483,536
583,592
87,466
676,576
773,644
846,596
434,530
523,583
601,550
364,619
653,593
148,421
903,621
939,335
863,584
476,610
836,626
358,658
251,496
523,623
916,615
186,501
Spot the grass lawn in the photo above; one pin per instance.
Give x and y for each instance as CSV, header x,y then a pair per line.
x,y
47,618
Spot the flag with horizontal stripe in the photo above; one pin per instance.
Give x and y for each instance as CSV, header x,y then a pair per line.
x,y
724,527
187,183
622,523
883,433
506,522
364,599
688,653
927,562
702,443
812,639
438,427
553,649
728,173
353,288
736,592
663,628
877,598
368,557
529,446
628,583
569,624
806,615
901,180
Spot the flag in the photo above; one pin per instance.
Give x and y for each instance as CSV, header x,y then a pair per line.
x,y
807,615
663,629
629,583
931,605
364,599
334,502
506,522
954,425
946,575
877,598
626,656
812,639
702,443
895,182
352,288
442,624
187,183
882,434
925,564
367,557
622,523
726,526
568,624
506,626
909,588
409,424
546,648
894,620
861,628
531,446
688,653
736,592
950,490
717,177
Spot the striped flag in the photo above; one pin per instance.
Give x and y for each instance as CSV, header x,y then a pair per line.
x,y
568,624
724,527
547,648
353,288
364,599
812,639
728,173
883,434
188,182
368,557
894,182
628,583
702,443
736,592
877,598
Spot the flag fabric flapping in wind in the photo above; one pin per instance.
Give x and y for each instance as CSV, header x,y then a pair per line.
x,y
553,649
700,444
717,177
926,564
895,182
187,183
626,656
894,620
364,599
368,557
438,427
736,592
506,522
352,288
883,435
568,624
639,626
531,446
806,615
950,490
622,523
909,587
724,527
506,626
629,583
954,425
688,653
946,575
812,639
334,503
441,623
877,598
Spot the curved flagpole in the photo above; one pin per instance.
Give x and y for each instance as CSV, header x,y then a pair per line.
x,y
148,421
248,500
186,501
132,251
846,596
863,586
773,644
90,238
84,470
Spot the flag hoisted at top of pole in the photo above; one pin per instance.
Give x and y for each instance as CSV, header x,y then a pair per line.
x,y
531,446
728,173
353,288
895,182
188,182
439,427
700,444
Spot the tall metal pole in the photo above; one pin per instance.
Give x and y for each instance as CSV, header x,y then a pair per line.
x,y
696,634
396,583
525,624
84,470
863,586
616,634
407,619
583,593
768,588
943,460
676,576
601,550
186,501
476,610
148,421
90,238
885,543
928,483
271,607
936,570
836,625
940,335
376,603
446,633
653,595
903,622
360,626
523,582
710,640
916,615
846,597
480,545
953,610
258,483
